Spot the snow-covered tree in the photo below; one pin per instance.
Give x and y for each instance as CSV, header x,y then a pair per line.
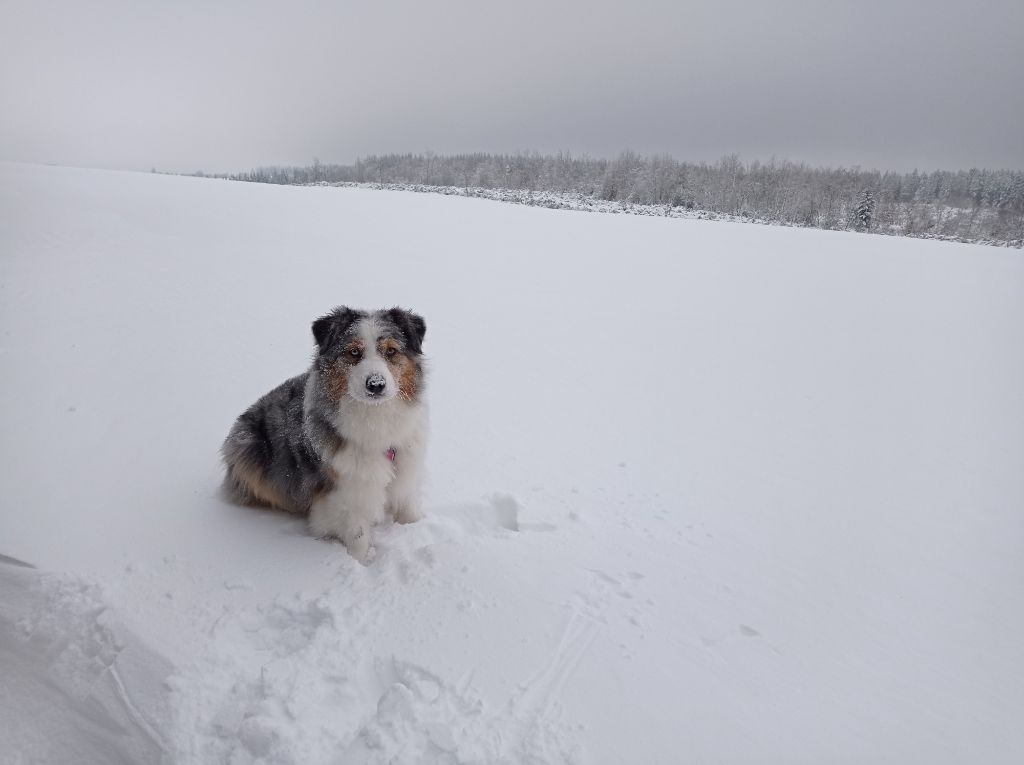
x,y
865,209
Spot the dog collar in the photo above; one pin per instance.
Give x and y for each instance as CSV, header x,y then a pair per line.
x,y
390,454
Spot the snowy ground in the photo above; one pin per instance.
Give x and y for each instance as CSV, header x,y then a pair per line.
x,y
701,492
555,200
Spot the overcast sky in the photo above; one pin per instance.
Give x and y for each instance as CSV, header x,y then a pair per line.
x,y
203,84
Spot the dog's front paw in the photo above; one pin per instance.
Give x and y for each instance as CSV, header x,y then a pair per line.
x,y
357,542
407,514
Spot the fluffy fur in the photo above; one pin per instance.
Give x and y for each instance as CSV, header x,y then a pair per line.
x,y
343,443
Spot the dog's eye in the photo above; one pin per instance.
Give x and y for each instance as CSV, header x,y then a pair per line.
x,y
389,353
355,353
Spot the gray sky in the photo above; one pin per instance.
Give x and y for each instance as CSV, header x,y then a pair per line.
x,y
210,85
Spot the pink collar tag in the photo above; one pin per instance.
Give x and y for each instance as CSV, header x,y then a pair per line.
x,y
390,454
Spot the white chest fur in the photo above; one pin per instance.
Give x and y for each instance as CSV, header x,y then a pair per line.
x,y
370,486
377,428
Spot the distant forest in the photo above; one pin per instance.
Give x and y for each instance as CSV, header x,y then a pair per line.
x,y
966,205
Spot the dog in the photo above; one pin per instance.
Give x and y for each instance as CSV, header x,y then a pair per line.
x,y
345,442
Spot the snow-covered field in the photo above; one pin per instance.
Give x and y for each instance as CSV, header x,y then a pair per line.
x,y
700,492
554,200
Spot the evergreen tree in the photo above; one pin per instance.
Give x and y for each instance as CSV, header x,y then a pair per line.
x,y
865,208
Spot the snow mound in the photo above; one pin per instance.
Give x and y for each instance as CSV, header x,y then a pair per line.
x,y
78,686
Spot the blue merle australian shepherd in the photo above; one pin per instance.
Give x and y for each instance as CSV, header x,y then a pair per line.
x,y
344,442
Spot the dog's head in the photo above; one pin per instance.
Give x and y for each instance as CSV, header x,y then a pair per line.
x,y
370,356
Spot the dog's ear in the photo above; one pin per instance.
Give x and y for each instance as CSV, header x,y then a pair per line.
x,y
412,326
329,327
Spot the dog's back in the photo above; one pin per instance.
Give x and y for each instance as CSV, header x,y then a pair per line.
x,y
269,460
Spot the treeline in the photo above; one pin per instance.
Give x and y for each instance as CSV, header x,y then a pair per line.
x,y
969,205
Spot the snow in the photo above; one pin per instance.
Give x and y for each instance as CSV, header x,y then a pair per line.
x,y
700,491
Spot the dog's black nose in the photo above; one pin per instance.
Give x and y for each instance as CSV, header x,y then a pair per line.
x,y
375,384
